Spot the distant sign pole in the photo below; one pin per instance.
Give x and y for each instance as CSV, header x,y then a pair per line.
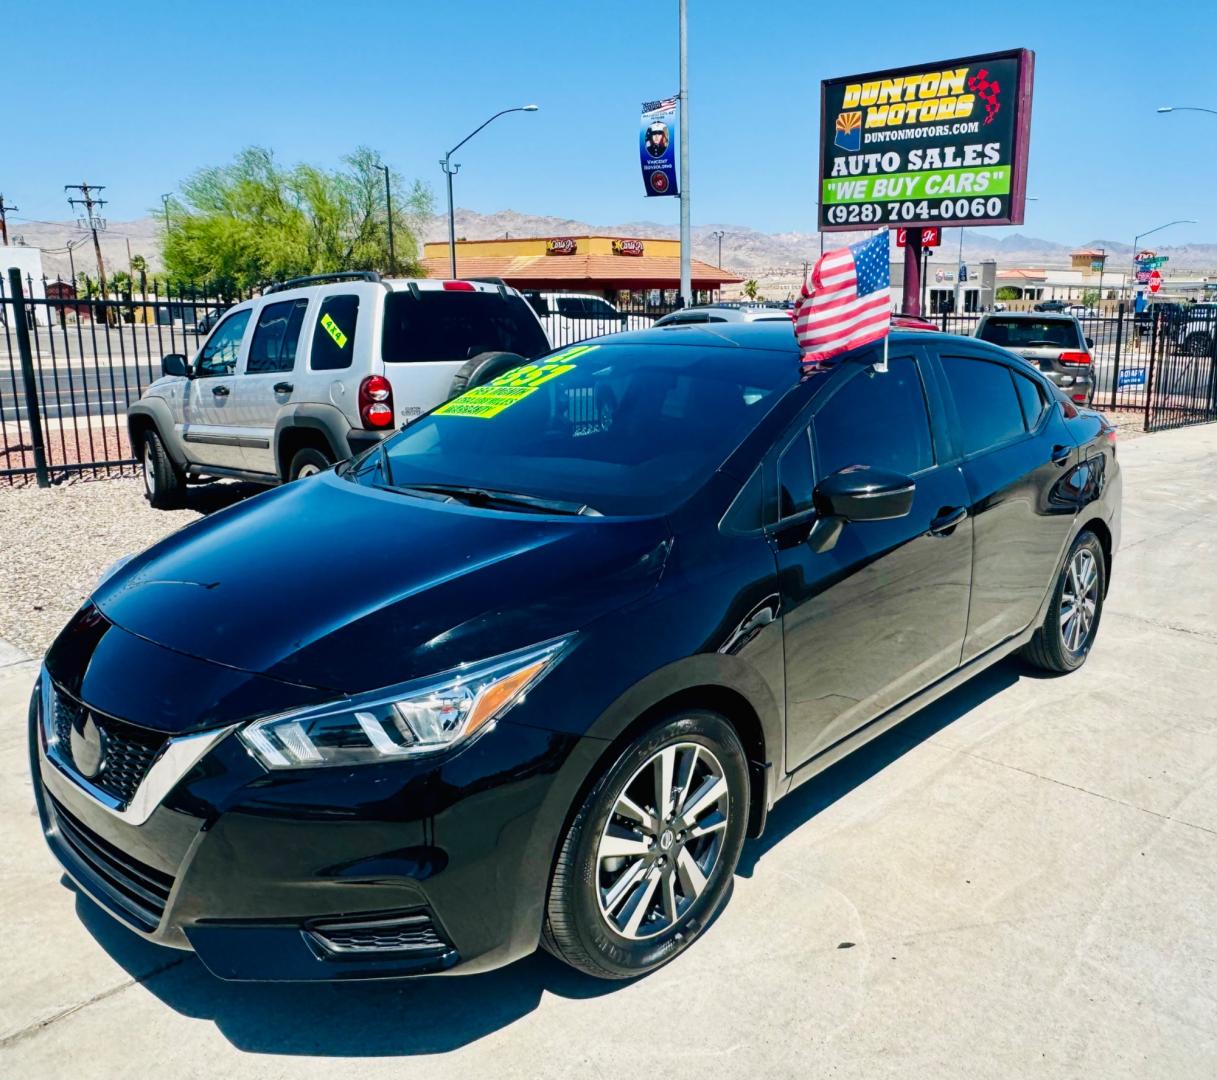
x,y
931,145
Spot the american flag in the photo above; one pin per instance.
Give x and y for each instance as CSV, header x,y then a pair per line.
x,y
847,303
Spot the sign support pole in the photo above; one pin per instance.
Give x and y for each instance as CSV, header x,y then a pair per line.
x,y
911,304
686,243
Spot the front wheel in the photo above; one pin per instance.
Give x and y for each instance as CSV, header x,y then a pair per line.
x,y
164,482
1063,642
649,858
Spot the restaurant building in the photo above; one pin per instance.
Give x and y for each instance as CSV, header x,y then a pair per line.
x,y
625,270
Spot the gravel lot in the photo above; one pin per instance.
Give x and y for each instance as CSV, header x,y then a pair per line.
x,y
55,542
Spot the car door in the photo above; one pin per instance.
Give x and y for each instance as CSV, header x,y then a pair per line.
x,y
266,382
210,431
1016,449
881,613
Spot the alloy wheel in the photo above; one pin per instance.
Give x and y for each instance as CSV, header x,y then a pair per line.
x,y
662,840
1079,600
307,470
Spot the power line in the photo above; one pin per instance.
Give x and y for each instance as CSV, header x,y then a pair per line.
x,y
94,223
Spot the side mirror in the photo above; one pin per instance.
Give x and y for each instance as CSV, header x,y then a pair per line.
x,y
174,364
1090,343
860,493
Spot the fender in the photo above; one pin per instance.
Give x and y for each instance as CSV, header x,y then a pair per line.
x,y
157,410
327,419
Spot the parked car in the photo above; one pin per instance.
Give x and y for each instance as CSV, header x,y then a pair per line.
x,y
532,669
1193,328
318,369
569,318
1055,344
1051,305
207,322
724,313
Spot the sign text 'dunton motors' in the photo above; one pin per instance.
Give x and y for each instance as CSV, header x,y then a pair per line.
x,y
936,144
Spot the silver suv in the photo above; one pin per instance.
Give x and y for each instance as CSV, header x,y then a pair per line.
x,y
316,370
1052,342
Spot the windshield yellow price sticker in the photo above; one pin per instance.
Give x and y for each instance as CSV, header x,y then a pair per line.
x,y
485,402
331,328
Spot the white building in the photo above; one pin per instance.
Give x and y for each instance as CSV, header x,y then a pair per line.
x,y
29,261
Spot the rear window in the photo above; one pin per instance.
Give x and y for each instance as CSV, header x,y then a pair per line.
x,y
1032,333
443,325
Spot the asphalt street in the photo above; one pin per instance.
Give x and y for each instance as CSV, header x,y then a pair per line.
x,y
1017,881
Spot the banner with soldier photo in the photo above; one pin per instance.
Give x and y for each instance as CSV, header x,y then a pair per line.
x,y
657,147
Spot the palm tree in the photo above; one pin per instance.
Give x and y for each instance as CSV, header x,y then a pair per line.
x,y
751,288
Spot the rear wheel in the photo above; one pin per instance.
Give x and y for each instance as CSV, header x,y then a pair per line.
x,y
1063,642
648,860
164,482
308,462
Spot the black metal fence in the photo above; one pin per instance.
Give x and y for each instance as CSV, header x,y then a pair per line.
x,y
69,367
1159,365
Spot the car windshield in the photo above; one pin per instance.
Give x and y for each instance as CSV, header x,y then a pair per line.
x,y
442,324
1026,333
617,429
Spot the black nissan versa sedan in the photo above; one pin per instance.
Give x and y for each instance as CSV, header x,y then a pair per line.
x,y
531,670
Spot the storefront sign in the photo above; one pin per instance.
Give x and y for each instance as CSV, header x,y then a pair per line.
x,y
938,143
929,237
657,142
561,245
628,247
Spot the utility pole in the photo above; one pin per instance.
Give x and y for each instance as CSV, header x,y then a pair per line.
x,y
4,210
389,213
686,259
89,202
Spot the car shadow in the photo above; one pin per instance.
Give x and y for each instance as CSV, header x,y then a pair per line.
x,y
210,496
437,1014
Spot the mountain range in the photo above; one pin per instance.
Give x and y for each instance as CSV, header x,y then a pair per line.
x,y
745,251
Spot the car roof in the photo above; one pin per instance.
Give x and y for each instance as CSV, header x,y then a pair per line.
x,y
1038,316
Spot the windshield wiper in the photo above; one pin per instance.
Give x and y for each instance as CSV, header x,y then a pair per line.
x,y
490,498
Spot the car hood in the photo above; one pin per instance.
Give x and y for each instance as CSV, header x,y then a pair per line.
x,y
327,583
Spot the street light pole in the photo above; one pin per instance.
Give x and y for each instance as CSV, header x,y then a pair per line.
x,y
686,255
718,234
389,215
450,170
1136,242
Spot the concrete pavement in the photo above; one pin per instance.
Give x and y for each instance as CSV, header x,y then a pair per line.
x,y
1017,881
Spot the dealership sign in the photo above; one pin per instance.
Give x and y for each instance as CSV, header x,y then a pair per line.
x,y
628,247
942,143
561,245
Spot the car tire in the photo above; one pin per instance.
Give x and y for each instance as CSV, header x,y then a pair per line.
x,y
1063,642
620,916
308,462
164,482
481,369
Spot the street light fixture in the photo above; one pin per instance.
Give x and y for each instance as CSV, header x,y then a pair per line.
x,y
1185,108
451,170
1136,243
718,235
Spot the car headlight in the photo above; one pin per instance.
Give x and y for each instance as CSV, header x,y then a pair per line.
x,y
401,722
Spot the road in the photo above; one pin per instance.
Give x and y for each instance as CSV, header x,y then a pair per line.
x,y
1017,881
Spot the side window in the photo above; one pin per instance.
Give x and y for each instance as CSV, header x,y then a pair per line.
x,y
219,355
276,336
986,402
571,307
1032,398
334,335
794,478
877,419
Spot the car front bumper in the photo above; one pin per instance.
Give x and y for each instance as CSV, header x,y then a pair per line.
x,y
379,871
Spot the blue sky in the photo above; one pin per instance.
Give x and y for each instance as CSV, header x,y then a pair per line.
x,y
180,86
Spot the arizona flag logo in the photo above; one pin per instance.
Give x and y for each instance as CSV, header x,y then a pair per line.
x,y
849,131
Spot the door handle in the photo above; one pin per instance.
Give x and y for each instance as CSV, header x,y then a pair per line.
x,y
220,391
946,522
283,388
1061,455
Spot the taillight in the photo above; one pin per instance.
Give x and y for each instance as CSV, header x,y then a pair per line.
x,y
1080,398
376,402
1080,358
459,286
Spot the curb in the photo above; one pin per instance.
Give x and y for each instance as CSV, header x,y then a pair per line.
x,y
11,656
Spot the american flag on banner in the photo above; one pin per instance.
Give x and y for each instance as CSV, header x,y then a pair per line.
x,y
845,300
